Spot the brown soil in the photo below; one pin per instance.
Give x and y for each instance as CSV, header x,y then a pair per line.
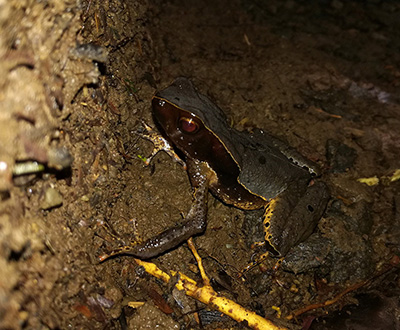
x,y
76,80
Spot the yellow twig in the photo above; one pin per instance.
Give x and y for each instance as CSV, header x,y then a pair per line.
x,y
208,296
206,280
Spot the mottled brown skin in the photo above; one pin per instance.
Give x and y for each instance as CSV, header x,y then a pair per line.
x,y
249,171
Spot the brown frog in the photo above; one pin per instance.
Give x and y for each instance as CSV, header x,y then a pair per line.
x,y
247,170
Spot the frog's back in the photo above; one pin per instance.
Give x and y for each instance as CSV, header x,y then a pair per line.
x,y
269,166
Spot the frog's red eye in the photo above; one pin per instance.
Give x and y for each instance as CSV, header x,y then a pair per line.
x,y
188,125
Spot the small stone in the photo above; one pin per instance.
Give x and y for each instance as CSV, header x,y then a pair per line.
x,y
59,158
52,198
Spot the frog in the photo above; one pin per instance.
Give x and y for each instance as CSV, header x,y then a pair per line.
x,y
248,170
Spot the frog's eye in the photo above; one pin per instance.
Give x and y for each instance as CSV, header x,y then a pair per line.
x,y
188,125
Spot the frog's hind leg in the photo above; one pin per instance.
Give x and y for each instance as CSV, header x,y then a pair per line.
x,y
196,222
293,215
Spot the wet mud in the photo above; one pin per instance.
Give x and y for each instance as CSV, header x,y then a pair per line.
x,y
76,82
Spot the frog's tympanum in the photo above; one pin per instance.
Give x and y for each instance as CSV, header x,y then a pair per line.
x,y
246,170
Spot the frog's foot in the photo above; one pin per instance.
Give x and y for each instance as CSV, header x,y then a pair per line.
x,y
112,236
160,144
121,250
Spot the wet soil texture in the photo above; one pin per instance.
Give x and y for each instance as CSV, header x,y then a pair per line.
x,y
76,82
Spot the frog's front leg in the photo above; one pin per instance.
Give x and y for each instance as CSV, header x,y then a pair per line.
x,y
196,221
292,216
160,144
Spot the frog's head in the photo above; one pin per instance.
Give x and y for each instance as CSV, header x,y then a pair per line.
x,y
192,123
